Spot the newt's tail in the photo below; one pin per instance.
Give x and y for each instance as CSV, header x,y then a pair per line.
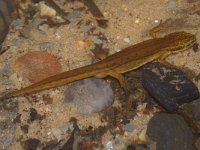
x,y
55,81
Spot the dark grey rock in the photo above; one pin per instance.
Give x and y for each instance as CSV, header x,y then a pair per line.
x,y
169,132
170,87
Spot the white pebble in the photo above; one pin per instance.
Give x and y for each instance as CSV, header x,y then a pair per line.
x,y
137,20
109,145
46,10
156,21
127,40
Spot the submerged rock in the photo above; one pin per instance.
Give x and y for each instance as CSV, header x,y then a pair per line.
x,y
169,132
89,95
169,86
37,65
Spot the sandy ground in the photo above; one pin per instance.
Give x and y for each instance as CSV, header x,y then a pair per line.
x,y
129,22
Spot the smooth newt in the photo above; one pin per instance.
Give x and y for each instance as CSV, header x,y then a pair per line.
x,y
114,65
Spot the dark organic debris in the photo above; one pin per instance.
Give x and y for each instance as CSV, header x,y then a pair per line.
x,y
169,86
69,144
31,144
51,146
93,8
17,119
169,132
34,115
25,128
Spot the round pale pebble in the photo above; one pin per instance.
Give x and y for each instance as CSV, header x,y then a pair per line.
x,y
36,65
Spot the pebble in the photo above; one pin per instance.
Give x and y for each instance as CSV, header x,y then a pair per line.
x,y
87,28
46,10
74,16
43,27
129,127
17,24
6,70
96,40
169,132
170,87
6,82
45,46
137,21
36,65
109,145
127,40
89,95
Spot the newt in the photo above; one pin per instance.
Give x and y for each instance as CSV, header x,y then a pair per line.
x,y
114,65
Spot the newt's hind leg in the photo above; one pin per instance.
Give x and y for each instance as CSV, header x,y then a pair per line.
x,y
122,82
115,75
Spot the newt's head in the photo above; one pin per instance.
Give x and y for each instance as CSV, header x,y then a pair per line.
x,y
180,41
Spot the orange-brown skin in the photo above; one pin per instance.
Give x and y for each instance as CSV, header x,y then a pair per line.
x,y
126,60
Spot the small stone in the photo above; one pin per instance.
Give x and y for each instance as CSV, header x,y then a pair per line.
x,y
129,127
169,132
6,82
6,70
74,16
87,28
17,24
156,21
46,10
169,86
36,65
92,47
45,46
96,40
137,21
127,40
109,145
43,27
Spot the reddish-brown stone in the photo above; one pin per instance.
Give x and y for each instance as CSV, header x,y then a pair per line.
x,y
36,66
